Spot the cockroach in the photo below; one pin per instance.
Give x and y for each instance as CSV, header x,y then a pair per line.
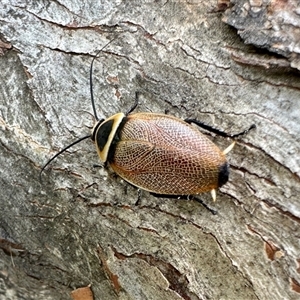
x,y
159,153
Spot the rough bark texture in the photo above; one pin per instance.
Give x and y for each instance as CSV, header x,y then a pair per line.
x,y
81,225
269,24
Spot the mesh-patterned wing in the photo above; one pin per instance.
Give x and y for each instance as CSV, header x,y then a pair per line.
x,y
165,155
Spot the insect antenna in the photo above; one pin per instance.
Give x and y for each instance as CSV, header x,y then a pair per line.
x,y
62,151
94,110
91,79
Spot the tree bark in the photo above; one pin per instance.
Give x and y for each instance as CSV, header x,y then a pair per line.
x,y
81,224
273,25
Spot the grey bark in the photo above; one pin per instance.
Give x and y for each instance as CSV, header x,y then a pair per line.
x,y
81,226
273,25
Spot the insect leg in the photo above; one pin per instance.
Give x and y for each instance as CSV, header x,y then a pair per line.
x,y
214,212
217,131
186,197
139,196
135,104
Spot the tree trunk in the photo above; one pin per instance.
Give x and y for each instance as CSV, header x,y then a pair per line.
x,y
81,225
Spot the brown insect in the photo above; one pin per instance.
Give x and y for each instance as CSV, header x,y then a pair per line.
x,y
159,153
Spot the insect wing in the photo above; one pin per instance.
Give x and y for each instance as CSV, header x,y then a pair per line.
x,y
165,155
